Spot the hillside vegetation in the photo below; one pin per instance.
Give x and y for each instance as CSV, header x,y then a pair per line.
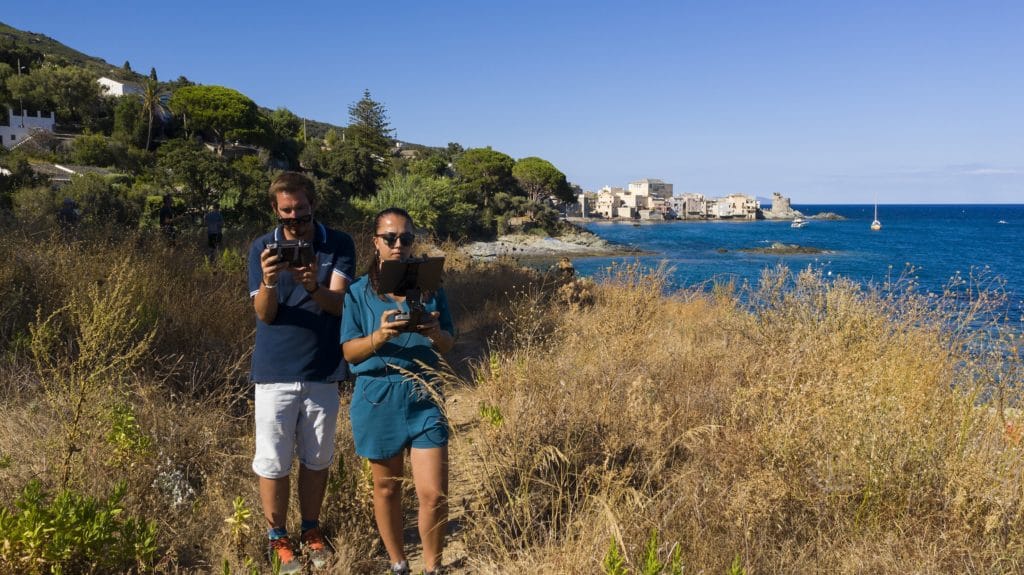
x,y
207,144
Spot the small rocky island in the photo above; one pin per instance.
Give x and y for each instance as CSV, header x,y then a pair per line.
x,y
779,248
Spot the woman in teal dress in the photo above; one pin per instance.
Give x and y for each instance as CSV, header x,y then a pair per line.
x,y
392,408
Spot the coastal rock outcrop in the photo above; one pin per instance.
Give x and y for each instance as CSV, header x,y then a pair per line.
x,y
577,243
779,248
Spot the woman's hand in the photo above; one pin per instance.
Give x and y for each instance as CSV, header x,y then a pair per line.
x,y
430,325
388,329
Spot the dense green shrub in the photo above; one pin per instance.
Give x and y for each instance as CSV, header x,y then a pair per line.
x,y
73,533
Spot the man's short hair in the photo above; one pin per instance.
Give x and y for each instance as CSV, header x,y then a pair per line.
x,y
292,183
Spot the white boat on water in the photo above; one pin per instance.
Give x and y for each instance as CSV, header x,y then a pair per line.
x,y
875,224
798,223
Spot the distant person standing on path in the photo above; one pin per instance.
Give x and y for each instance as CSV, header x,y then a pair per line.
x,y
214,228
68,217
167,219
392,408
296,364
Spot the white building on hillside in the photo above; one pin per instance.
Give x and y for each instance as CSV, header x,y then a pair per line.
x,y
21,127
115,88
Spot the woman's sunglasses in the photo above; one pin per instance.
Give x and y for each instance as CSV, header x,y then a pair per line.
x,y
293,221
391,237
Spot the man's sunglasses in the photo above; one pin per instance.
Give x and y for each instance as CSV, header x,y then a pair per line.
x,y
293,221
391,237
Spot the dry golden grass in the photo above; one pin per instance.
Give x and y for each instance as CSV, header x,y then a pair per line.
x,y
829,430
805,426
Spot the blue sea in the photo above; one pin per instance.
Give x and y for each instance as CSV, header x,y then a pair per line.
x,y
938,242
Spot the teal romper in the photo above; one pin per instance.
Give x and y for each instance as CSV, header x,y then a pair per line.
x,y
391,410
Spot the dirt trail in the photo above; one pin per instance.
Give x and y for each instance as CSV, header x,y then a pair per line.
x,y
463,419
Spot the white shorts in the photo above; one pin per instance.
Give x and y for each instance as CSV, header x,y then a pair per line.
x,y
292,417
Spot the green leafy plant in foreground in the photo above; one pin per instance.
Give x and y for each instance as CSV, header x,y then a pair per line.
x,y
491,414
614,563
651,565
737,567
125,434
73,533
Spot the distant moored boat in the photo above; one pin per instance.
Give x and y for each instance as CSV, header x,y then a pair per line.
x,y
875,224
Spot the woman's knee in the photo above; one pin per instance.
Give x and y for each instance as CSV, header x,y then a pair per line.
x,y
387,487
432,499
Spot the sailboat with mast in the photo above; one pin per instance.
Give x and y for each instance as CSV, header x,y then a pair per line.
x,y
875,224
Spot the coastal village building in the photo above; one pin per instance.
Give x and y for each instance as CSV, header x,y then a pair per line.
x,y
736,206
651,199
651,188
689,206
608,202
22,127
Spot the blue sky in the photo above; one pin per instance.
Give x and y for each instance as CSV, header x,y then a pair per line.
x,y
826,102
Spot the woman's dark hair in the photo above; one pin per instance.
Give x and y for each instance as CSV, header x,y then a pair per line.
x,y
374,271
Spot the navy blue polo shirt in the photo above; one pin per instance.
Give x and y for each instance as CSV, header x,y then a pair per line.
x,y
301,344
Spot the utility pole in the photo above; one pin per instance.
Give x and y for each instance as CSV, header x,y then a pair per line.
x,y
21,103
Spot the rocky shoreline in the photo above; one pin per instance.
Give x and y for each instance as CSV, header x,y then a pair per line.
x,y
574,244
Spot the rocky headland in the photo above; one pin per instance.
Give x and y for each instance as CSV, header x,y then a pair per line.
x,y
572,244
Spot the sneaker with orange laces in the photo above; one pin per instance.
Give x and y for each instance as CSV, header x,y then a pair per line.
x,y
280,550
315,547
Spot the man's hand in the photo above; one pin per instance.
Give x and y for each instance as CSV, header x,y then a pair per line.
x,y
271,264
307,276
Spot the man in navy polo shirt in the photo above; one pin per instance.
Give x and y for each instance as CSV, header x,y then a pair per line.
x,y
297,363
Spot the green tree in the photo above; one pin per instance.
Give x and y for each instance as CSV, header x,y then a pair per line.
x,y
217,112
152,104
91,150
429,165
6,71
187,167
102,201
541,180
21,176
71,92
128,125
434,203
483,172
284,129
244,198
365,152
453,151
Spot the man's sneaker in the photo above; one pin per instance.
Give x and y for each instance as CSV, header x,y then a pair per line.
x,y
400,568
314,547
281,550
